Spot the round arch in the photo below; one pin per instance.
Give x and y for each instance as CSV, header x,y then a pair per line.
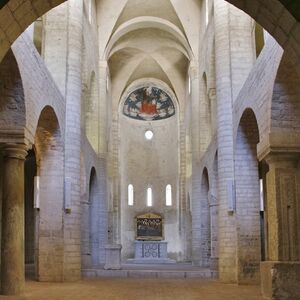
x,y
144,82
205,250
287,25
278,20
94,206
50,171
12,96
247,199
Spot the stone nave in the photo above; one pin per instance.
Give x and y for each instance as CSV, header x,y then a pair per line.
x,y
150,139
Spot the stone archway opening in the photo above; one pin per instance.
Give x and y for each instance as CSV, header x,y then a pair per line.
x,y
205,216
50,202
94,219
30,173
247,200
214,207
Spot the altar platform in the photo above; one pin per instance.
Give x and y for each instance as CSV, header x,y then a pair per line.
x,y
172,271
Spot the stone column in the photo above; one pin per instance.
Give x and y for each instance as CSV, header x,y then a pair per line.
x,y
183,211
55,46
114,178
103,109
227,221
233,42
214,259
72,264
194,78
281,272
12,244
204,116
196,172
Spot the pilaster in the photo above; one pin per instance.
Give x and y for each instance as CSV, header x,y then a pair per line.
x,y
281,272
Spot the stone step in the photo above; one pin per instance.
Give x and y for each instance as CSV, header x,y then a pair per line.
x,y
204,274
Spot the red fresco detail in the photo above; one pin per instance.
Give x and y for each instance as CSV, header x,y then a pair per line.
x,y
148,108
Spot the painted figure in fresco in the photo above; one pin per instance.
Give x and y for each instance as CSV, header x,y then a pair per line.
x,y
149,103
149,227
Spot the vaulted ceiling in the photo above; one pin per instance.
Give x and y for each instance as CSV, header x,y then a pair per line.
x,y
148,39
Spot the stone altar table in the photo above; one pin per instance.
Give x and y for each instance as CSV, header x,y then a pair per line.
x,y
151,252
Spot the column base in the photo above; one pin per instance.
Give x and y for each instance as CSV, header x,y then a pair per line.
x,y
113,257
214,263
280,280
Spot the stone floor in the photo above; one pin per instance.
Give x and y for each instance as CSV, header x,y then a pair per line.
x,y
134,289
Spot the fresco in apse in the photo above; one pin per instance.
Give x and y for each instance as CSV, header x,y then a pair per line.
x,y
149,104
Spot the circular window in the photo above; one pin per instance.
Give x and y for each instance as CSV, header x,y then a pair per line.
x,y
149,135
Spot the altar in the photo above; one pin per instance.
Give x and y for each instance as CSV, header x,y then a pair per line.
x,y
150,247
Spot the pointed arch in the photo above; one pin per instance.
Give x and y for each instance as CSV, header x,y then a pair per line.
x,y
148,22
273,10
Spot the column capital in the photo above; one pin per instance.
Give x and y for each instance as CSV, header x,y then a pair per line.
x,y
103,64
280,159
212,93
194,70
279,141
18,151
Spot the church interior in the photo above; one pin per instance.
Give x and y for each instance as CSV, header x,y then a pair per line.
x,y
150,148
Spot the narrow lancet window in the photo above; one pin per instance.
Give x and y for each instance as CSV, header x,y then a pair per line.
x,y
90,11
206,13
168,195
130,195
149,197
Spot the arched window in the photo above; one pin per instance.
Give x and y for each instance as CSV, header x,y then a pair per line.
x,y
130,195
206,13
261,184
168,195
149,196
107,82
90,11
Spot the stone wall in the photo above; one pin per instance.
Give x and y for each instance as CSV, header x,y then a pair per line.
x,y
139,160
40,91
